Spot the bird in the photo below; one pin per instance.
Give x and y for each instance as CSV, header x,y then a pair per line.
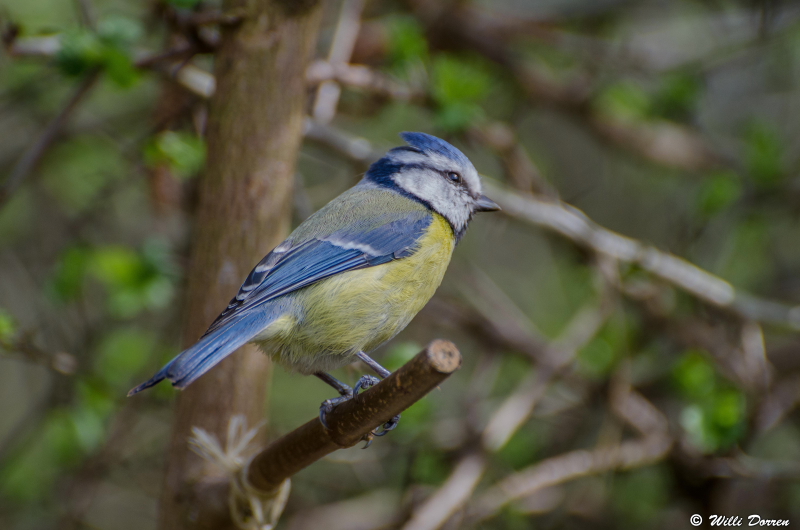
x,y
352,275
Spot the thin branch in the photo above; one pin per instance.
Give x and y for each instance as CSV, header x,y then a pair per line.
x,y
576,226
36,151
521,170
511,415
361,77
651,447
353,420
580,229
451,496
344,40
660,141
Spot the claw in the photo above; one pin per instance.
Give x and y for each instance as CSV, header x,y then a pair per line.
x,y
388,426
324,410
365,382
369,438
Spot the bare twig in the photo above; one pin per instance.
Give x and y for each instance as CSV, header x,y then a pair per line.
x,y
450,497
579,228
34,154
521,170
784,397
576,226
510,416
351,421
651,447
361,77
344,39
660,141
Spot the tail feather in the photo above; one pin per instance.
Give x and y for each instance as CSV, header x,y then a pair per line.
x,y
209,350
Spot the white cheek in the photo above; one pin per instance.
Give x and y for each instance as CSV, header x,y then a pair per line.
x,y
421,184
443,197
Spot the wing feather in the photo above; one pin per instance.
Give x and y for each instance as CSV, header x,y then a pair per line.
x,y
293,266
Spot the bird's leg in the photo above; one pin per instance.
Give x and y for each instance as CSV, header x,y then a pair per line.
x,y
383,373
345,392
340,387
377,368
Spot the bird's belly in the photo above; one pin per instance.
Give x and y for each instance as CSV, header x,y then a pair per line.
x,y
361,309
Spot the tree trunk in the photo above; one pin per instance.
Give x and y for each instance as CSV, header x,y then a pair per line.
x,y
254,134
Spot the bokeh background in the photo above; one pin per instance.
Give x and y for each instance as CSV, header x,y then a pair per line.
x,y
599,390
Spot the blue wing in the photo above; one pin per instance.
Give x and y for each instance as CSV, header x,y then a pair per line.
x,y
287,268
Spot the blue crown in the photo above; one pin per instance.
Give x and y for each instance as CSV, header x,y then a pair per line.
x,y
431,144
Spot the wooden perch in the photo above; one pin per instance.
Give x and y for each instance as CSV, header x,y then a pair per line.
x,y
351,421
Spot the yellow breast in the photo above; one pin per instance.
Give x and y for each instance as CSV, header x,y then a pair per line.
x,y
361,309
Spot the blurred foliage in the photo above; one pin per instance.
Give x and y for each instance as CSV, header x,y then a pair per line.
x,y
184,153
717,193
94,245
764,155
7,327
715,418
459,86
134,281
108,49
407,42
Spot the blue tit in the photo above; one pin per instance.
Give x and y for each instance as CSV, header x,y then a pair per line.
x,y
354,274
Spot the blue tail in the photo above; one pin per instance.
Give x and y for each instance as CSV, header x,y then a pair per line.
x,y
209,350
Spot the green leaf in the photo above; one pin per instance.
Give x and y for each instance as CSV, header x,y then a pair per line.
x,y
624,100
81,50
135,281
764,157
717,422
677,96
457,116
8,328
109,48
728,409
120,68
695,375
715,418
718,192
407,42
116,265
456,80
183,152
458,87
119,32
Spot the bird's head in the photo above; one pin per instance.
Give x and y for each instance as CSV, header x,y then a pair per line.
x,y
436,174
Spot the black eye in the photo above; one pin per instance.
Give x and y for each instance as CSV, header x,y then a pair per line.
x,y
455,177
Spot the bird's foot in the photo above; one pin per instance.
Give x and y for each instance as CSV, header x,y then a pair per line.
x,y
365,382
388,426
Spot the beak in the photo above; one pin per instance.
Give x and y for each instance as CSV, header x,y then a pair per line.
x,y
485,204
